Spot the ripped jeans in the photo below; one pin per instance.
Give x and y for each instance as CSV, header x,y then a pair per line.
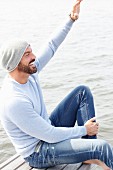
x,y
77,107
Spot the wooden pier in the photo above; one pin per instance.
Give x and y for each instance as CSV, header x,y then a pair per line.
x,y
16,162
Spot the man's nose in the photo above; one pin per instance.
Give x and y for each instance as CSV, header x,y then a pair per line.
x,y
33,56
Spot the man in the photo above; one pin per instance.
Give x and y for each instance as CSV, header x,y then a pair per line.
x,y
41,140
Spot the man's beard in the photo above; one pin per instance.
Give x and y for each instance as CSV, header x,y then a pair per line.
x,y
27,69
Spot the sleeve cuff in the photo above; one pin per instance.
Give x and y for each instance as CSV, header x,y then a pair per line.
x,y
84,130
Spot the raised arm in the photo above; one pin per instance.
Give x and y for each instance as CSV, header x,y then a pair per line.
x,y
52,45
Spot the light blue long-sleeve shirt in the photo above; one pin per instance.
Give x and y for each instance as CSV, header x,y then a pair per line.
x,y
22,110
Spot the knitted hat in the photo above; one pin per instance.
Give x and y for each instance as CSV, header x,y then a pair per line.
x,y
11,53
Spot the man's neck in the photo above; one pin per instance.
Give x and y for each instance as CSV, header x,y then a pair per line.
x,y
21,78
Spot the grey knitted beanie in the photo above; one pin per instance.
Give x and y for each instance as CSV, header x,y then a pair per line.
x,y
11,53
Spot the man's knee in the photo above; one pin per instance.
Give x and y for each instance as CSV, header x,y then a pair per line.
x,y
84,89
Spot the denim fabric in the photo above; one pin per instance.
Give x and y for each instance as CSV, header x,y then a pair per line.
x,y
77,106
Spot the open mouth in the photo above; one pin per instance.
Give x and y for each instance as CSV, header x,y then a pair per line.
x,y
32,63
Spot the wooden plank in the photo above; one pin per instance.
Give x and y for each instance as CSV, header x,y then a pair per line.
x,y
24,166
96,167
14,164
90,167
83,167
8,161
58,167
37,169
73,166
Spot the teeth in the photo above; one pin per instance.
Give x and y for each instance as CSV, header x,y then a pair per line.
x,y
32,63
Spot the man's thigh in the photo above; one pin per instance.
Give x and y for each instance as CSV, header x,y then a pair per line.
x,y
77,106
75,150
65,114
